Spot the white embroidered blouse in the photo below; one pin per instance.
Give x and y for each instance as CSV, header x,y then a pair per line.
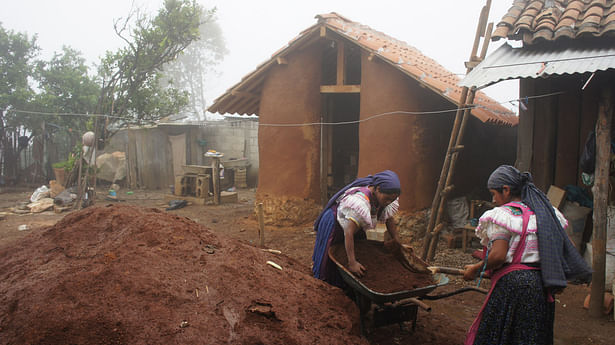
x,y
506,223
355,207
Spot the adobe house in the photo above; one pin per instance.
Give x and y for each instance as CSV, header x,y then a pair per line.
x,y
342,100
565,64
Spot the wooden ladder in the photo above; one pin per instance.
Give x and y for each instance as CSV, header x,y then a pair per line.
x,y
435,225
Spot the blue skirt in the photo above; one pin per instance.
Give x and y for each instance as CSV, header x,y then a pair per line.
x,y
328,231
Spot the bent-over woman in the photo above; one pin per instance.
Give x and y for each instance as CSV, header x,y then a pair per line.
x,y
528,256
352,210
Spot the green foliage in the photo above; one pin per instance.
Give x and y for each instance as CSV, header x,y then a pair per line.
x,y
66,87
17,52
69,163
131,75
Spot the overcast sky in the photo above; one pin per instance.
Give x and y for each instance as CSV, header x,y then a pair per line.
x,y
254,29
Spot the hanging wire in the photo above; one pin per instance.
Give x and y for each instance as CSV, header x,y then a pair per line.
x,y
524,99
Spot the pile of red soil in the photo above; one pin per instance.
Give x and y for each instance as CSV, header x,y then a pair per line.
x,y
128,275
384,273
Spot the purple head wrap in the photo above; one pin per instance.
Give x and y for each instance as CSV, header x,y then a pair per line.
x,y
387,180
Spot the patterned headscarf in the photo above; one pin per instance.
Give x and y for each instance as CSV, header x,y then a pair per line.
x,y
559,259
386,180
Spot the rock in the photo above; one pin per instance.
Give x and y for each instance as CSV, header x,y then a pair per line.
x,y
41,205
55,188
112,166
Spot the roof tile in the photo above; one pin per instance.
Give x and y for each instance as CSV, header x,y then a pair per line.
x,y
593,10
509,20
525,22
537,5
554,19
609,19
567,32
501,31
566,23
399,54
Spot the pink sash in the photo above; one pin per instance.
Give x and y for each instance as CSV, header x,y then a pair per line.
x,y
514,266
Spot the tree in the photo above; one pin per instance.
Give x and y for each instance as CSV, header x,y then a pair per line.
x,y
131,76
65,87
192,69
17,53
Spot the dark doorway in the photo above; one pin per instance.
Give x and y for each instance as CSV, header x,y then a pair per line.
x,y
341,140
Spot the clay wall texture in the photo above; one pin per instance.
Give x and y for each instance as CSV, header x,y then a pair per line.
x,y
411,145
414,146
290,156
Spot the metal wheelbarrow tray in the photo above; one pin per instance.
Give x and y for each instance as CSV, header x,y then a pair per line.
x,y
394,307
379,297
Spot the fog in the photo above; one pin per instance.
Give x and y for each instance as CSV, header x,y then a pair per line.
x,y
253,30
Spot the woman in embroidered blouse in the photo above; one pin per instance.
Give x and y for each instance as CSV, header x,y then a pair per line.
x,y
528,256
352,210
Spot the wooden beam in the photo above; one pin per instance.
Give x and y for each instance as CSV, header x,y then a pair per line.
x,y
282,60
323,31
601,196
472,64
567,138
370,57
340,88
545,126
341,64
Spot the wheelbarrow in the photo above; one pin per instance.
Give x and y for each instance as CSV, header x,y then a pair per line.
x,y
379,309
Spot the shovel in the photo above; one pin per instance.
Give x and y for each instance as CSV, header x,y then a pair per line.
x,y
405,255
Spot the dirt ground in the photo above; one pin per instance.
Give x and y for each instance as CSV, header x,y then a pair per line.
x,y
446,323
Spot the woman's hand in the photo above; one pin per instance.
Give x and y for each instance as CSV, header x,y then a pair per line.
x,y
471,271
356,268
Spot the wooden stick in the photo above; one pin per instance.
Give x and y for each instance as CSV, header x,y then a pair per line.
x,y
261,224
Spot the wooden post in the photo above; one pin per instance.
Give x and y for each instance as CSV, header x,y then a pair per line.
x,y
215,171
45,158
261,225
78,200
94,153
601,193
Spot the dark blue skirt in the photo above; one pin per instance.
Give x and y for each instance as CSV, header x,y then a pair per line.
x,y
328,231
517,312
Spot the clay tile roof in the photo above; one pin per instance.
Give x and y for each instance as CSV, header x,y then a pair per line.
x,y
550,20
402,56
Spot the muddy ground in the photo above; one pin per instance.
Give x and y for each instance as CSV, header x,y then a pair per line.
x,y
444,324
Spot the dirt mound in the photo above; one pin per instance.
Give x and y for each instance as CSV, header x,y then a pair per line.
x,y
128,275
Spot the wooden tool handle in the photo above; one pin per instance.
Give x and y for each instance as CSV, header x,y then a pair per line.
x,y
447,270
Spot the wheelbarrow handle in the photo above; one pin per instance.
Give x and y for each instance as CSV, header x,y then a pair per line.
x,y
446,270
462,290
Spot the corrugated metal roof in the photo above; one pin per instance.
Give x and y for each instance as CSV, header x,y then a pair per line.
x,y
541,61
244,97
